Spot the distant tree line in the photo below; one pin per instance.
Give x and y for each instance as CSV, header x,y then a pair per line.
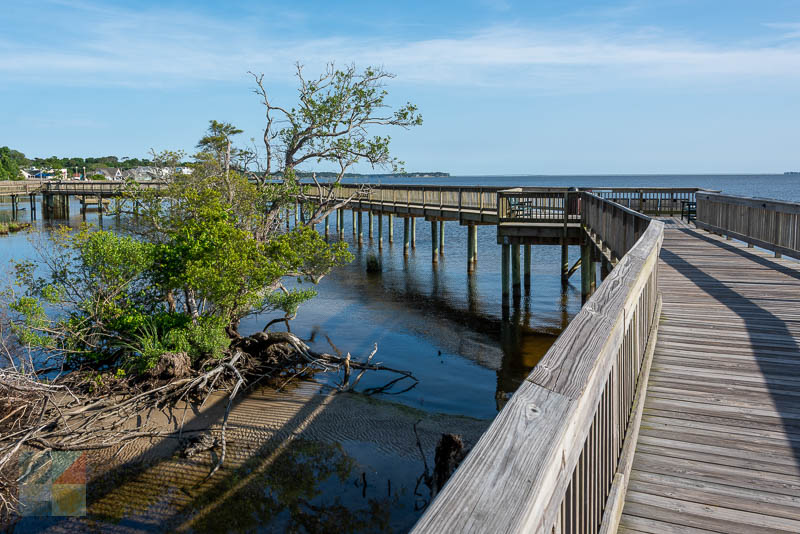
x,y
11,161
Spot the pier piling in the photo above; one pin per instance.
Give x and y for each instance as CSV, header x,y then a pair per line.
x,y
435,241
515,274
506,257
406,235
527,266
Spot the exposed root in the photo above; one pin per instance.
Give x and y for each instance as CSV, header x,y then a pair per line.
x,y
87,410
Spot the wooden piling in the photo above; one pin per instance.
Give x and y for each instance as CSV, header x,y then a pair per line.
x,y
470,249
506,258
380,231
391,228
434,241
326,227
441,238
406,235
527,266
413,232
586,270
475,244
564,259
360,231
515,274
369,216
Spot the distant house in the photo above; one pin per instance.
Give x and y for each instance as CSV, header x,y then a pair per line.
x,y
46,174
27,174
108,172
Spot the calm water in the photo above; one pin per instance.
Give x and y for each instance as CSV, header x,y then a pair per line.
x,y
446,327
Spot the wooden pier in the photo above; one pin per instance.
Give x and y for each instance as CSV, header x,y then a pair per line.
x,y
669,404
719,444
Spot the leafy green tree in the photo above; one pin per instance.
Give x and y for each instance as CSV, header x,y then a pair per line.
x,y
331,124
10,163
209,248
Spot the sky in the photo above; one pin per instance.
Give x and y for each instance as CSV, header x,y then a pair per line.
x,y
504,86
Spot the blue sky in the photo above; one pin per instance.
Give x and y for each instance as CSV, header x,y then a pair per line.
x,y
505,87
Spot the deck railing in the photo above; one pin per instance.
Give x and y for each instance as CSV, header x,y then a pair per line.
x,y
551,459
651,200
615,227
421,196
538,205
770,224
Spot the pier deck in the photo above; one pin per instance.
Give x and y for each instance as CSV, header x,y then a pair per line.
x,y
719,444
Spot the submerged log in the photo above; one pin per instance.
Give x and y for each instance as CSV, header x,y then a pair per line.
x,y
449,454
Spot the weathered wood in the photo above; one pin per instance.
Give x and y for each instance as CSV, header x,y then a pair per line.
x,y
769,224
719,445
531,472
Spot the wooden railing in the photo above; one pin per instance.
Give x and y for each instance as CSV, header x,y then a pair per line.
x,y
20,187
478,199
538,205
651,200
545,203
551,460
615,228
770,224
94,187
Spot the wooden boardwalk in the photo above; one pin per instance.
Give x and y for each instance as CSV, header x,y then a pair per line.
x,y
719,445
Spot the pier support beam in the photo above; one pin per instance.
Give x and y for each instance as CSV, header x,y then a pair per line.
x,y
369,216
354,222
296,213
413,232
380,231
406,235
391,228
475,245
588,271
470,249
527,265
605,268
564,260
506,259
434,242
326,226
441,238
360,231
515,275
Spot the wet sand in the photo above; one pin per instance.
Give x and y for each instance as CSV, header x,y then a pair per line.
x,y
297,460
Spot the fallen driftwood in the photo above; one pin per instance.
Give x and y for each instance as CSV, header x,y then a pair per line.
x,y
80,411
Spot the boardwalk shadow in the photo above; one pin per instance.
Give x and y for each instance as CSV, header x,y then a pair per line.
x,y
766,331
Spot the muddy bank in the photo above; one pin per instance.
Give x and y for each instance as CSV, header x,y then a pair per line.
x,y
297,460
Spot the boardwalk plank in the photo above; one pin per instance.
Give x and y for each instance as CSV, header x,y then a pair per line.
x,y
719,445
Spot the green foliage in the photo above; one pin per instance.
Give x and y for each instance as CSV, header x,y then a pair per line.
x,y
10,163
206,338
208,249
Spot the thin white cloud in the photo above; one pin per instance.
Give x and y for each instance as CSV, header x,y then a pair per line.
x,y
164,48
789,30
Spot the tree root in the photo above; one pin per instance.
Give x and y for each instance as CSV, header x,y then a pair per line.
x,y
74,413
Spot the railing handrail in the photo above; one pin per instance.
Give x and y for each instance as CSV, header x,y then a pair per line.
x,y
517,477
755,202
764,222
